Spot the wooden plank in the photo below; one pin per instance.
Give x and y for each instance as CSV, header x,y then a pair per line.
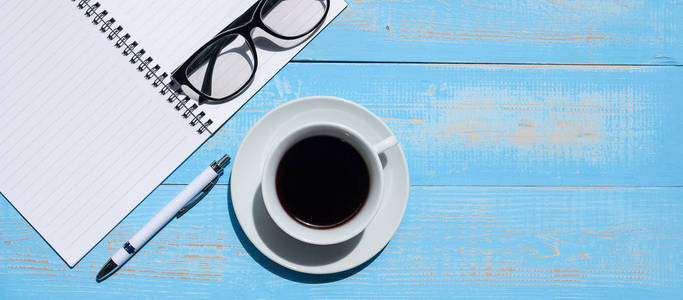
x,y
497,124
460,242
581,31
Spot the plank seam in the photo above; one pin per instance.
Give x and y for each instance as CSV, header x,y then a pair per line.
x,y
477,63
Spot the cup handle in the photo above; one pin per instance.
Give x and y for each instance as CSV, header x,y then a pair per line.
x,y
385,144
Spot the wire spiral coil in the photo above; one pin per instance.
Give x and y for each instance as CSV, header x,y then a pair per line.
x,y
144,64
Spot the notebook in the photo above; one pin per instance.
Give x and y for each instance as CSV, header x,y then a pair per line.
x,y
86,135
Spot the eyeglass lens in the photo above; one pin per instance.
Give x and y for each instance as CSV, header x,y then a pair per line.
x,y
292,17
223,68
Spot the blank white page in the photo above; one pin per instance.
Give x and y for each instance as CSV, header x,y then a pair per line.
x,y
171,30
83,136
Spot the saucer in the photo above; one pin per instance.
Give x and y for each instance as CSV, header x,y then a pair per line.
x,y
250,209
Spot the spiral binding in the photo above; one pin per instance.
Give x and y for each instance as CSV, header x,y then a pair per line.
x,y
143,64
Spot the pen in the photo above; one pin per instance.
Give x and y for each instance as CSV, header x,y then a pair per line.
x,y
185,200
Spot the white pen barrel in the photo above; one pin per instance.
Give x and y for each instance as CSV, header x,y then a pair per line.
x,y
121,256
170,210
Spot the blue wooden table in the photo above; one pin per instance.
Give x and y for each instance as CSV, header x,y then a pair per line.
x,y
543,140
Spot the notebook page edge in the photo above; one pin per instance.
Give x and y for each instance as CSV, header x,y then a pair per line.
x,y
74,258
62,9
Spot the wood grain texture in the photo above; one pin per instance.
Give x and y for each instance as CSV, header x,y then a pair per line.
x,y
497,125
501,31
454,242
533,177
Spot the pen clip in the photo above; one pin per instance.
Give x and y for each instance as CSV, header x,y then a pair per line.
x,y
197,197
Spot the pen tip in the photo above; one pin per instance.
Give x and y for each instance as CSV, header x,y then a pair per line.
x,y
106,271
224,161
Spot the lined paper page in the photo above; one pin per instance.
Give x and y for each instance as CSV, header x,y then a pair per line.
x,y
83,136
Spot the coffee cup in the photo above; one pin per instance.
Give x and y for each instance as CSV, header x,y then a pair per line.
x,y
292,203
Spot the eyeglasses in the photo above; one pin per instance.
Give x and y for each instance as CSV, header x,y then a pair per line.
x,y
224,67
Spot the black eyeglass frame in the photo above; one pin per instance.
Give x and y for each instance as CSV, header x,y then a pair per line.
x,y
244,30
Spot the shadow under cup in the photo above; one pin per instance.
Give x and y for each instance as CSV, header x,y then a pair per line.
x,y
353,226
291,249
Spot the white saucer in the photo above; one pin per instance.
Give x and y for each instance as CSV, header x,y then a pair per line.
x,y
271,240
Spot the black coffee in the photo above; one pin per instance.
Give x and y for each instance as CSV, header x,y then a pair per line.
x,y
322,181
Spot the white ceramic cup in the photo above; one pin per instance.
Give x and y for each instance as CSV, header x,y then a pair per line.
x,y
325,236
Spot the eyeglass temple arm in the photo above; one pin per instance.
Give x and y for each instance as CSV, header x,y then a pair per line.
x,y
208,75
267,7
